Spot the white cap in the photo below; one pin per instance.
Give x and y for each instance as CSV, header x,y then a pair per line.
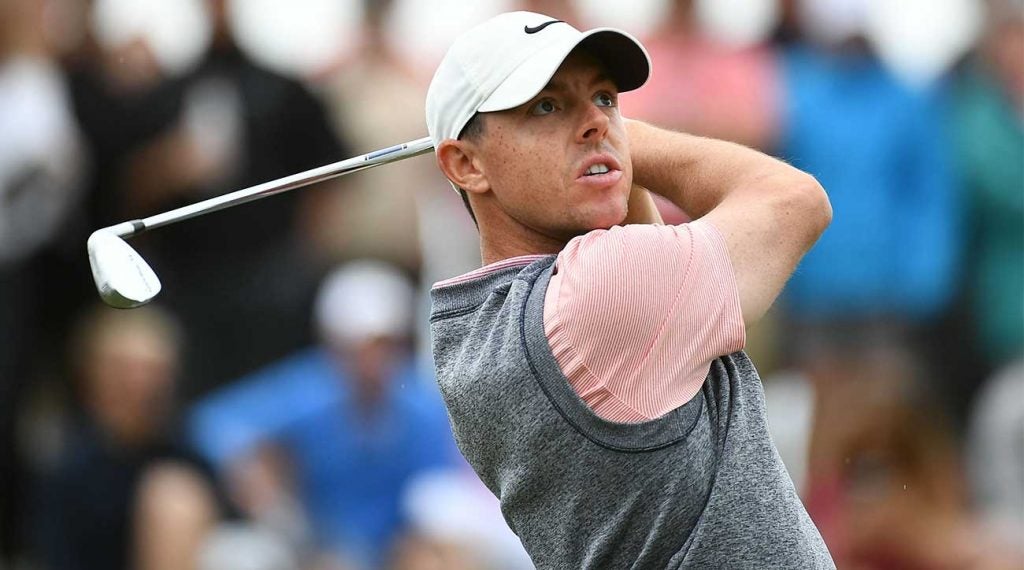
x,y
505,61
364,300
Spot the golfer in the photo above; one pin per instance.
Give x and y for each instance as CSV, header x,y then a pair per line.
x,y
593,369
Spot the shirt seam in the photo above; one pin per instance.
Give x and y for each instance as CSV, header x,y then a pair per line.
x,y
602,382
554,402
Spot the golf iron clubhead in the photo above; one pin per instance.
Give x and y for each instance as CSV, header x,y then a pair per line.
x,y
123,278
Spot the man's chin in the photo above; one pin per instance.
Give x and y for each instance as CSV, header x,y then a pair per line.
x,y
602,223
614,216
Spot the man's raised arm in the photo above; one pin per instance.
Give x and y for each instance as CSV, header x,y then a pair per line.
x,y
769,213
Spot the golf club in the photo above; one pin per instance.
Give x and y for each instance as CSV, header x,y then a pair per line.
x,y
124,280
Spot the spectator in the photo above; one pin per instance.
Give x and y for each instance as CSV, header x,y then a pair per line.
x,y
995,456
347,225
105,504
989,118
241,281
353,418
108,83
887,487
41,170
989,121
886,270
892,254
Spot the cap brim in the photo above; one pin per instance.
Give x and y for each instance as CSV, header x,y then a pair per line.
x,y
623,57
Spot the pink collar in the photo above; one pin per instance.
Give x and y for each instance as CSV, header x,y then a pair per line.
x,y
518,261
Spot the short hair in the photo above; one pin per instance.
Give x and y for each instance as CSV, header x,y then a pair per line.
x,y
473,130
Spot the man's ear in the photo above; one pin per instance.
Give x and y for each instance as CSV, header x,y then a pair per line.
x,y
458,161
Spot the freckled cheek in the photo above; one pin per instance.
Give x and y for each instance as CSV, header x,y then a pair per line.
x,y
514,165
526,165
531,165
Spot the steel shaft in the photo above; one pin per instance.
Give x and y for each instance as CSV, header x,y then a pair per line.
x,y
291,182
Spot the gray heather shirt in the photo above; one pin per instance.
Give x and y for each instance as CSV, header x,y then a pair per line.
x,y
701,487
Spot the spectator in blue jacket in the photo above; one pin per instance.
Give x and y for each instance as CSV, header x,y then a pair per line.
x,y
353,418
880,149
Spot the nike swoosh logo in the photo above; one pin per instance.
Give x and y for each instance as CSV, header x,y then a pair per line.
x,y
536,29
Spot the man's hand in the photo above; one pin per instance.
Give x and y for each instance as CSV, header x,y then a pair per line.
x,y
642,209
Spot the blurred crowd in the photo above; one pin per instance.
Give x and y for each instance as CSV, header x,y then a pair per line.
x,y
274,409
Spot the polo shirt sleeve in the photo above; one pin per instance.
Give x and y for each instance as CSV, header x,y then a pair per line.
x,y
636,314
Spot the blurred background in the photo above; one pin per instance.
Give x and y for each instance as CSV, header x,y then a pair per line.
x,y
275,408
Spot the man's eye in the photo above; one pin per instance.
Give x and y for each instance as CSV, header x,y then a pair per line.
x,y
543,107
604,100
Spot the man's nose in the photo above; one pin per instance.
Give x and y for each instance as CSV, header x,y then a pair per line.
x,y
593,125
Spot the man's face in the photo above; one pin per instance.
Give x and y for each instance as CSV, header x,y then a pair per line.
x,y
130,382
559,164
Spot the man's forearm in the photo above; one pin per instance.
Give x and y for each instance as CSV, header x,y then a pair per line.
x,y
769,213
697,174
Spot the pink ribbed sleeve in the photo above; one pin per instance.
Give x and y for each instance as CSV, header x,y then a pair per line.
x,y
636,314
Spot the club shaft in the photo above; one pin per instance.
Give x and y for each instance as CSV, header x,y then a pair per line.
x,y
291,182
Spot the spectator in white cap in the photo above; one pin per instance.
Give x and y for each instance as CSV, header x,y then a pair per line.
x,y
339,429
364,316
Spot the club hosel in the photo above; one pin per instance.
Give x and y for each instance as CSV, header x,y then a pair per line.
x,y
127,229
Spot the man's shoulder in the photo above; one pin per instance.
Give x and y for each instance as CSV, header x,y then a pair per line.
x,y
465,293
478,325
503,266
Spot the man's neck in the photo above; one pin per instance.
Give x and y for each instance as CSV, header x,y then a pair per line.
x,y
506,238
